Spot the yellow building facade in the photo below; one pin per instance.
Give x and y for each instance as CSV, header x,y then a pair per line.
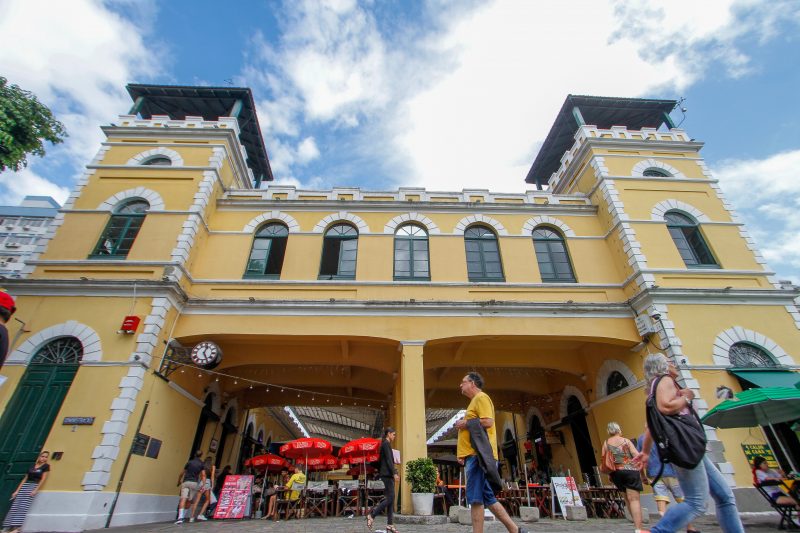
x,y
375,301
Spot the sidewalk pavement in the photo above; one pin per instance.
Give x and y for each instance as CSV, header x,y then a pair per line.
x,y
753,522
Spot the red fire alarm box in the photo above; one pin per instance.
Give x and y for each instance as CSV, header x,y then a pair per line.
x,y
130,324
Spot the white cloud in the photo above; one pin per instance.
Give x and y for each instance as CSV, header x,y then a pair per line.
x,y
77,57
465,100
26,182
307,150
766,192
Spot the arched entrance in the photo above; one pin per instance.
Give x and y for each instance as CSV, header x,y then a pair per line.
x,y
32,410
576,418
205,415
228,429
540,450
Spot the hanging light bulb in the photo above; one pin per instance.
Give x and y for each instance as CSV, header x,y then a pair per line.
x,y
216,379
251,386
235,382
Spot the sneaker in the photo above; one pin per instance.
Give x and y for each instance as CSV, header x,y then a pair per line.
x,y
191,520
179,521
202,518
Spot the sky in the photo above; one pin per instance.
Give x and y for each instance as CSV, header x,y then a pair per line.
x,y
443,94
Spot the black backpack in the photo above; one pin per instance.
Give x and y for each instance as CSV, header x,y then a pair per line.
x,y
679,439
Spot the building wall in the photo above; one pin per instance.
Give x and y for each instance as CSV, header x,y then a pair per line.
x,y
184,277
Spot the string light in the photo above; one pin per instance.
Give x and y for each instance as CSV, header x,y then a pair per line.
x,y
251,382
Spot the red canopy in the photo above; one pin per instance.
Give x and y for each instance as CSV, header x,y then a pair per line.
x,y
362,459
360,447
318,464
267,462
306,447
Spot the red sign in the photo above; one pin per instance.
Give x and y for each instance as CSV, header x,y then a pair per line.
x,y
130,323
234,498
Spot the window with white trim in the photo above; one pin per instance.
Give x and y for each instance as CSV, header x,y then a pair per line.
x,y
411,258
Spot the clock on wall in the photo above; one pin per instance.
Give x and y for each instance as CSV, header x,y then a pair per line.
x,y
206,354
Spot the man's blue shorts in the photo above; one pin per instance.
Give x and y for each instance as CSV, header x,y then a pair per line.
x,y
478,490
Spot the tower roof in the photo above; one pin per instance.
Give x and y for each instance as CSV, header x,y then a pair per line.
x,y
178,102
600,111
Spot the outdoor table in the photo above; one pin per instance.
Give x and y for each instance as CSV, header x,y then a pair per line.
x,y
540,497
454,493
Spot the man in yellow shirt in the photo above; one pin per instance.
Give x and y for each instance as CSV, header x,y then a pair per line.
x,y
479,493
295,485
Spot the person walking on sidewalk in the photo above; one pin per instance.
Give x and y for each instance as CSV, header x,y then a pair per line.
x,y
698,482
27,489
388,474
479,492
190,480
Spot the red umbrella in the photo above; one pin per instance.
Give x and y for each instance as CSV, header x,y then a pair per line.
x,y
319,464
360,451
267,462
306,447
360,448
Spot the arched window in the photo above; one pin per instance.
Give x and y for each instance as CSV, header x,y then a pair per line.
x,y
117,239
411,259
266,256
159,160
655,173
744,354
339,250
552,256
61,351
483,255
615,382
689,241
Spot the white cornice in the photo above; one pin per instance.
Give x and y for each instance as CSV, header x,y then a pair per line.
x,y
368,206
407,309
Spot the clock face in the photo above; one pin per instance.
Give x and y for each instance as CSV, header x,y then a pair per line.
x,y
206,353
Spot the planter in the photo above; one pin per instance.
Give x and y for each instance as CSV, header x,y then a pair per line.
x,y
423,503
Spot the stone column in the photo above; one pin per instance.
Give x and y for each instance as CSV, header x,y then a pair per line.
x,y
411,430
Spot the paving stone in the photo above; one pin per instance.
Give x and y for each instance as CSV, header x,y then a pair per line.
x,y
753,523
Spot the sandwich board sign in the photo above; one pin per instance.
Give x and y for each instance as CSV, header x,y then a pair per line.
x,y
566,491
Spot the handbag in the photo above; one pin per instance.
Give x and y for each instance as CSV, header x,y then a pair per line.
x,y
679,439
608,465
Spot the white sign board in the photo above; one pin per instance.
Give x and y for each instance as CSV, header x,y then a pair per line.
x,y
565,489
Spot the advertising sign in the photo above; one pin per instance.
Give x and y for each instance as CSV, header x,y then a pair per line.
x,y
566,491
751,451
234,498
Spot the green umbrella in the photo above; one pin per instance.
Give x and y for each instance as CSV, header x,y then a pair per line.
x,y
757,407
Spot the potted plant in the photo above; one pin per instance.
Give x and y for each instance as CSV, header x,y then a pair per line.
x,y
421,475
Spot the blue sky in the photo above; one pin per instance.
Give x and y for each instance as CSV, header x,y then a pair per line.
x,y
441,94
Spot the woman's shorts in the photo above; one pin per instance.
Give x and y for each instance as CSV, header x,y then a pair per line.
x,y
627,479
666,485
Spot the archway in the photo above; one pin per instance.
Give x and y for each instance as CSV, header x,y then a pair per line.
x,y
576,418
228,430
205,415
32,410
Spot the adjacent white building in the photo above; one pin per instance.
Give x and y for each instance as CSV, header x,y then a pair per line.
x,y
20,228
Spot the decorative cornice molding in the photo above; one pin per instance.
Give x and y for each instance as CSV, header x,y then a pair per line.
x,y
661,208
152,197
341,216
277,216
399,220
141,158
538,220
479,218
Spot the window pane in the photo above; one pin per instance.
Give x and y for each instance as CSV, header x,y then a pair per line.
x,y
472,246
261,244
276,254
402,244
420,246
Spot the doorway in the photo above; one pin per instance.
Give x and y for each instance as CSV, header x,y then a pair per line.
x,y
32,410
576,417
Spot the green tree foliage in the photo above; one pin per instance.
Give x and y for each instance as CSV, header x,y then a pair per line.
x,y
421,475
25,123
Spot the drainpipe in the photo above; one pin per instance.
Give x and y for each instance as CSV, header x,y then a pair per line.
x,y
125,467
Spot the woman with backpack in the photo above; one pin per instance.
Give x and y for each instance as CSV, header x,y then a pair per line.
x,y
624,474
674,412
